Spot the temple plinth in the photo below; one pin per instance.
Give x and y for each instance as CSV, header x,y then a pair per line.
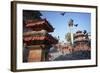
x,y
38,40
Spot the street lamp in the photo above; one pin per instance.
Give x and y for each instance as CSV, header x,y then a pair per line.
x,y
70,24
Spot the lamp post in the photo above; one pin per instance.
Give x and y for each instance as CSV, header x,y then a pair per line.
x,y
70,24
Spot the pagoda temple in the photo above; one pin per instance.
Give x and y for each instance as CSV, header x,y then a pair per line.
x,y
37,40
81,42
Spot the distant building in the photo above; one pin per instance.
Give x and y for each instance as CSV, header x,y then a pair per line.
x,y
82,42
65,48
59,49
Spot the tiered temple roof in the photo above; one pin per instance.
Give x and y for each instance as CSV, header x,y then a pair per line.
x,y
79,34
36,38
81,42
40,34
47,38
39,24
80,37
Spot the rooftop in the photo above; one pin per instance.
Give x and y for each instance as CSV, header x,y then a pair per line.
x,y
39,24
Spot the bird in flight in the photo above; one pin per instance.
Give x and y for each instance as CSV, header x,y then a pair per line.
x,y
63,13
76,25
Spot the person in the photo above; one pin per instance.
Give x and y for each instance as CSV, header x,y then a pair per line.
x,y
25,52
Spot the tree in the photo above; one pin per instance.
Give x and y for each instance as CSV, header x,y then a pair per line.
x,y
68,37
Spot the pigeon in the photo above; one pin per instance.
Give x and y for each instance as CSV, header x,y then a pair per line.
x,y
84,31
76,25
63,13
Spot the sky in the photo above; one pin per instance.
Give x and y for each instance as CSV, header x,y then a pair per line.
x,y
60,22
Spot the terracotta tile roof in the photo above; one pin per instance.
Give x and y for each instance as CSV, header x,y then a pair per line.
x,y
48,38
39,24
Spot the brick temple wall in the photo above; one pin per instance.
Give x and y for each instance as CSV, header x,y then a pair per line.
x,y
35,55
